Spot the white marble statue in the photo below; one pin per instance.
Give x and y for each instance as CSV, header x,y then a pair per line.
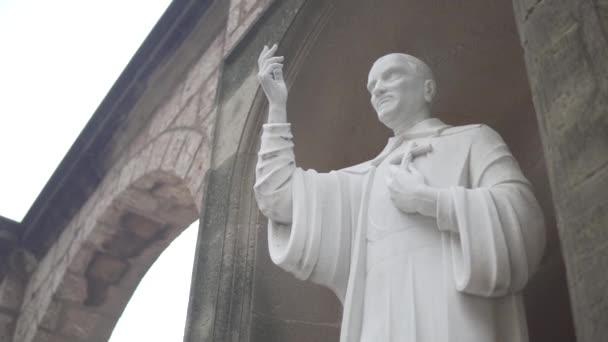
x,y
432,240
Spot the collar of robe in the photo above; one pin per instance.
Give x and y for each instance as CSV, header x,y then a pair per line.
x,y
424,129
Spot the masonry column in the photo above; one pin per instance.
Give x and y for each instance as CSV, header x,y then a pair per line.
x,y
566,52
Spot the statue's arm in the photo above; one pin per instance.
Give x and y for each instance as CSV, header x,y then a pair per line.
x,y
499,224
493,168
274,171
276,161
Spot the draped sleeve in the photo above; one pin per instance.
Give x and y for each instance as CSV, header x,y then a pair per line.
x,y
311,215
496,225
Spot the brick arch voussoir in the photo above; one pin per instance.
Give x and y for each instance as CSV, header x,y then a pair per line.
x,y
129,235
178,153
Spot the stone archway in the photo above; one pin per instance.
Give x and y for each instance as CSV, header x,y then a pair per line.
x,y
153,190
105,265
151,187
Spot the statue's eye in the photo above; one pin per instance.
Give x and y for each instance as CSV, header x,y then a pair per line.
x,y
392,76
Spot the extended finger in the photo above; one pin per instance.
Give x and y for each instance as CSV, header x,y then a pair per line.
x,y
271,51
261,57
277,59
407,159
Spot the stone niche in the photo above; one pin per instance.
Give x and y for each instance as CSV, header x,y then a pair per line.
x,y
476,56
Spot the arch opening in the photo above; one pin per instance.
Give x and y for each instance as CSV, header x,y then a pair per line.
x,y
476,56
127,238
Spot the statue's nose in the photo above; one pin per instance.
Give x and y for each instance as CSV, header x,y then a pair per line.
x,y
379,89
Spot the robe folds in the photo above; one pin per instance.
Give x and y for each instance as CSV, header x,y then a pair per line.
x,y
459,274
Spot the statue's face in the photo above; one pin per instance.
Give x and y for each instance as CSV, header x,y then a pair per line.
x,y
396,89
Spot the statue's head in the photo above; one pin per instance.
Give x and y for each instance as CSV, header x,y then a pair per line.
x,y
401,88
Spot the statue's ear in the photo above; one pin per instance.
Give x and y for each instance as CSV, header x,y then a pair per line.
x,y
429,90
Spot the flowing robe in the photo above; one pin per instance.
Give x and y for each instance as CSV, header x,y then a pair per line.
x,y
406,277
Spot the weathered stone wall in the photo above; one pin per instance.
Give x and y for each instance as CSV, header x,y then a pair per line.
x,y
154,189
566,52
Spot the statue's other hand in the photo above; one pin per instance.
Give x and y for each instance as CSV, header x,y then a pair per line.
x,y
270,75
409,191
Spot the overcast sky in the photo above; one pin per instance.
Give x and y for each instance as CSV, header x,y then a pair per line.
x,y
58,59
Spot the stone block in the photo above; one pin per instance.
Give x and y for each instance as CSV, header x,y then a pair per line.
x,y
140,200
52,315
158,151
249,4
116,301
270,329
591,302
141,226
176,195
166,113
80,324
234,16
200,165
246,21
180,216
565,83
139,180
126,175
51,285
589,233
175,146
208,98
56,252
72,288
11,292
201,70
106,268
542,23
48,336
149,253
132,277
186,156
187,117
7,323
101,234
21,329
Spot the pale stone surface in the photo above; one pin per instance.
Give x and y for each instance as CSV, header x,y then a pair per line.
x,y
566,55
423,242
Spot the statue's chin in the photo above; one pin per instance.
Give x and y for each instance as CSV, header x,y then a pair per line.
x,y
389,118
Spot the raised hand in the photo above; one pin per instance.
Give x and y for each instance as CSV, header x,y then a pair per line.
x,y
270,75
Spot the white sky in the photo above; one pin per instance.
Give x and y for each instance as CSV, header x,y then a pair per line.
x,y
58,59
157,310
